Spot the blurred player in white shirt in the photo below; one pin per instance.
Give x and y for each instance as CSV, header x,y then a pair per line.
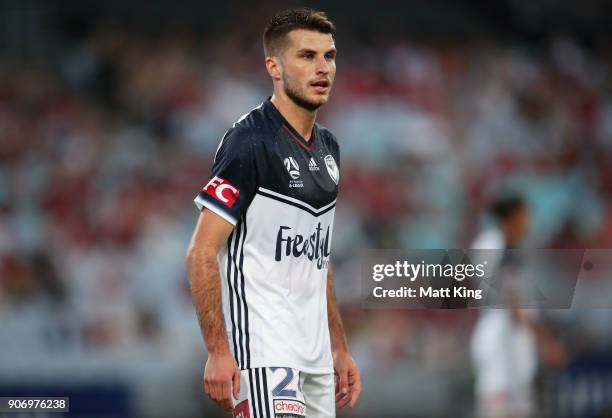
x,y
505,341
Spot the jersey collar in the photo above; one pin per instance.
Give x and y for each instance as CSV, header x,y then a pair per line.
x,y
308,145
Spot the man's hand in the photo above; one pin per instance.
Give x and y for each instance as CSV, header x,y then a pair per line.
x,y
221,375
348,380
221,370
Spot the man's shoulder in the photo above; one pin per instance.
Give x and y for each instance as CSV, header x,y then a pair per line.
x,y
254,123
327,136
489,239
251,129
244,134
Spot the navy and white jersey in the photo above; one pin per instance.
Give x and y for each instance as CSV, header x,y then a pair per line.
x,y
279,191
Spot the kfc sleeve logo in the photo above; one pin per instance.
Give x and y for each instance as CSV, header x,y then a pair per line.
x,y
222,190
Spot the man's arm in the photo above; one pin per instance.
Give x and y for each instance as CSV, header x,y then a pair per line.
x,y
551,349
348,385
221,371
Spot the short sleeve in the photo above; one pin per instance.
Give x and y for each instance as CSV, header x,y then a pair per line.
x,y
337,152
232,185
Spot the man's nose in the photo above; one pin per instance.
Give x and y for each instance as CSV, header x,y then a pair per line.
x,y
322,66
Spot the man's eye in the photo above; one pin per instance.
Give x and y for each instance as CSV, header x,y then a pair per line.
x,y
309,56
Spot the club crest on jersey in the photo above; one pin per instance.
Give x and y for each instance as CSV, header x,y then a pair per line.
x,y
332,168
222,190
242,410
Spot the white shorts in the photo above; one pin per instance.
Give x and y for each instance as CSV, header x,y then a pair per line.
x,y
283,392
505,361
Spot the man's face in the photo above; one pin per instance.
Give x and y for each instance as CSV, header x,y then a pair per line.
x,y
308,66
519,225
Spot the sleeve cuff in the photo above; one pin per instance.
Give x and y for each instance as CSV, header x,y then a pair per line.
x,y
203,203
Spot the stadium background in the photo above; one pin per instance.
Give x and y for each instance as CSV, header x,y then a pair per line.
x,y
111,111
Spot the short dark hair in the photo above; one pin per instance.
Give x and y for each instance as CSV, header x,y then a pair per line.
x,y
283,22
506,206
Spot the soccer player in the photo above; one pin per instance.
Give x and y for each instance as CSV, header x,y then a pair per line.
x,y
258,260
506,342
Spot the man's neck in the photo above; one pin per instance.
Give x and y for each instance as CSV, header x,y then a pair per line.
x,y
509,236
301,120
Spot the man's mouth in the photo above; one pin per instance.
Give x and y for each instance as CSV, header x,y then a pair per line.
x,y
321,86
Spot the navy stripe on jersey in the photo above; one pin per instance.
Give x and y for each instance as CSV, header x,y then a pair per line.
x,y
259,398
265,391
251,386
231,293
239,312
261,411
238,288
296,203
246,307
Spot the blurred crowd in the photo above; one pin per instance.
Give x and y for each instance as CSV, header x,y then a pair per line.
x,y
103,150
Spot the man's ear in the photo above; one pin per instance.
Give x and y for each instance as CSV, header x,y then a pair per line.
x,y
274,68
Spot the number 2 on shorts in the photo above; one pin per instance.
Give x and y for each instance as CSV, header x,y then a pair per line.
x,y
280,389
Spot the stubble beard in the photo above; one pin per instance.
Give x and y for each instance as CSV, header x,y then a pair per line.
x,y
298,98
